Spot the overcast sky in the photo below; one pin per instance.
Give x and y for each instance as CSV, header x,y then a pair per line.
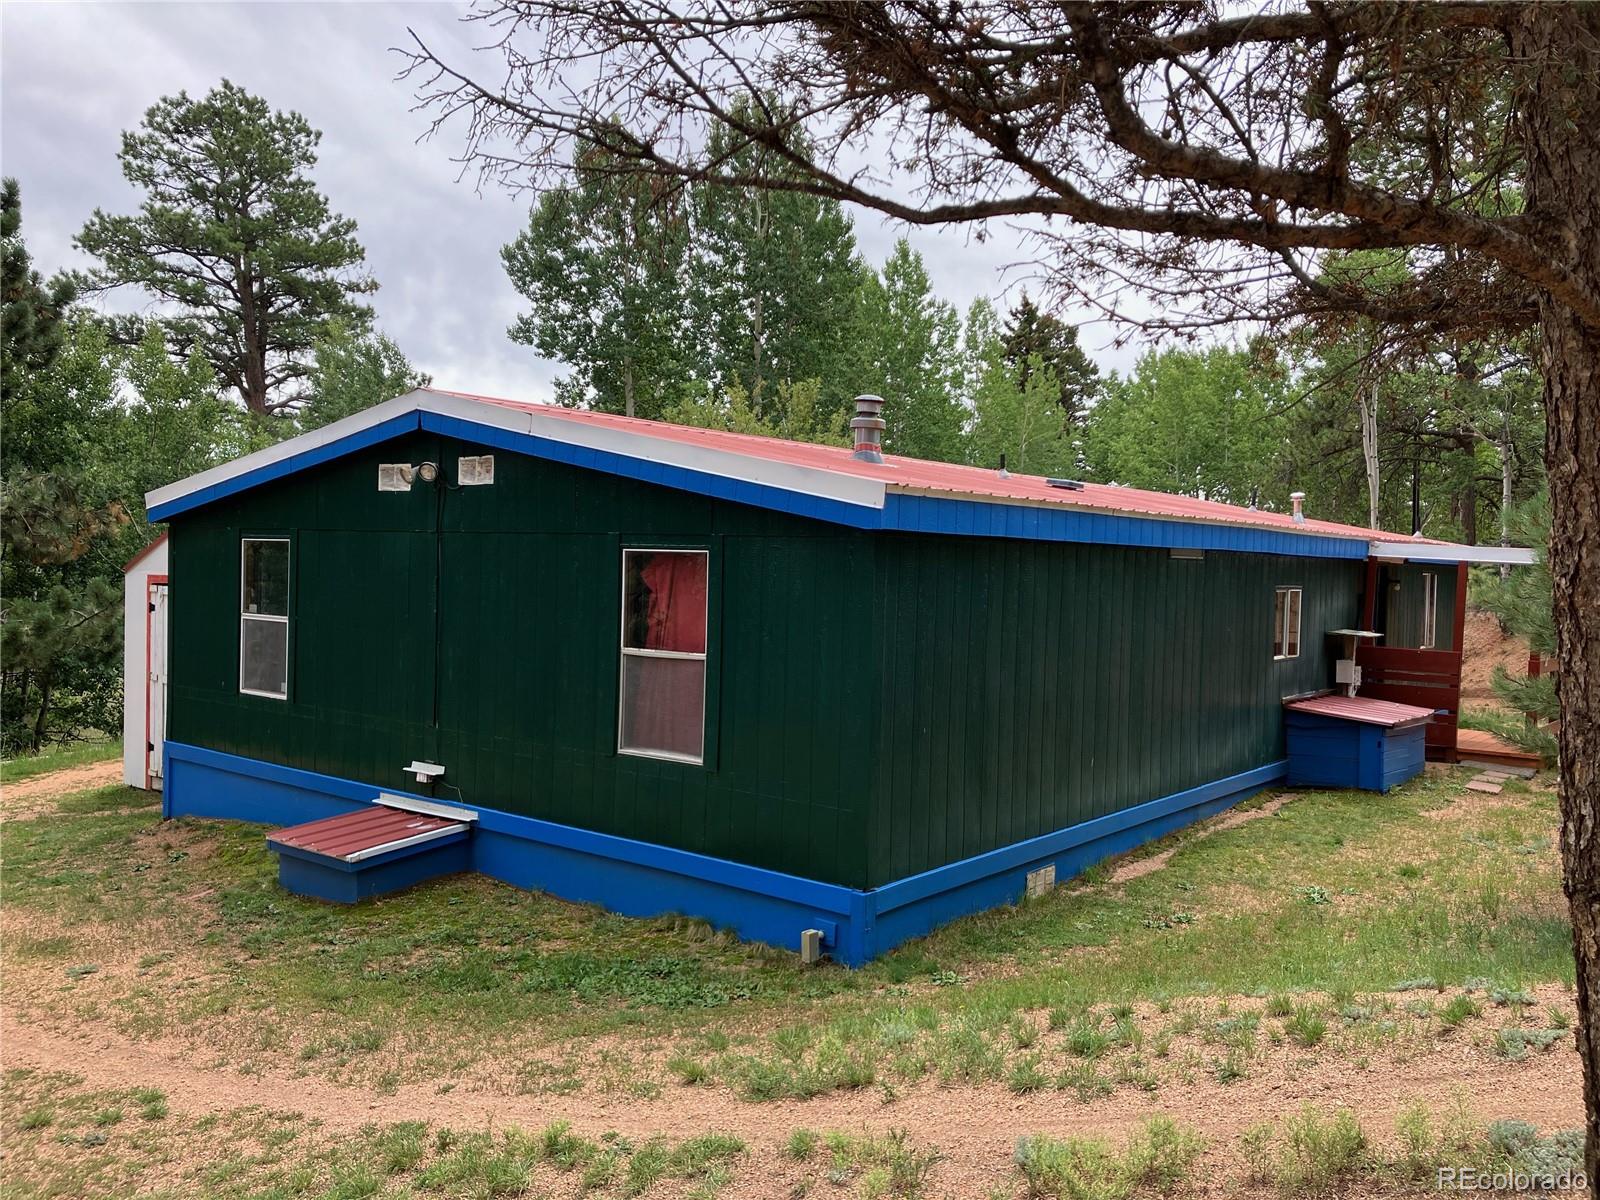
x,y
74,76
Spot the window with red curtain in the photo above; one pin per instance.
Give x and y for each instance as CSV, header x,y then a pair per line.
x,y
664,653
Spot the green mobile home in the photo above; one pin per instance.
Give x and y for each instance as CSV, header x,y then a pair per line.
x,y
826,698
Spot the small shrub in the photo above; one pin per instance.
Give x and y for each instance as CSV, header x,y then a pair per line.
x,y
1459,1010
1230,1069
1306,1027
1071,1169
1087,1040
1318,1155
108,1116
1026,1076
564,1149
1162,1154
1515,1043
802,1144
1085,1082
400,1147
152,1103
1279,1005
1417,1143
1424,984
1159,1158
37,1118
690,1071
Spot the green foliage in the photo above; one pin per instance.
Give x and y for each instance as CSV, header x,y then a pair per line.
x,y
794,411
1318,1156
31,318
1196,423
234,235
1159,1159
602,264
354,369
1036,341
913,350
776,280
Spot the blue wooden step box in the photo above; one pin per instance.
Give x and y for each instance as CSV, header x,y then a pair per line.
x,y
1354,742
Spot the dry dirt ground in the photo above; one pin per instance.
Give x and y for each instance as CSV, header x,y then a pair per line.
x,y
975,1128
32,797
1486,646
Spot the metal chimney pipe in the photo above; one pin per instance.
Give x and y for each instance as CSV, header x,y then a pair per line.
x,y
867,428
1298,499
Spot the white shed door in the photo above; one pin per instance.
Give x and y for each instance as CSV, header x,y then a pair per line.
x,y
156,689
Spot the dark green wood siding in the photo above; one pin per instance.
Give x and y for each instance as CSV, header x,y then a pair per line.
x,y
1401,589
877,704
527,611
1030,686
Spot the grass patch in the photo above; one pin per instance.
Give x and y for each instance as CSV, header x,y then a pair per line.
x,y
58,758
1159,1159
499,966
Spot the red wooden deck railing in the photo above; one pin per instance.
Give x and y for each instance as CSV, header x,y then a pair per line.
x,y
1427,678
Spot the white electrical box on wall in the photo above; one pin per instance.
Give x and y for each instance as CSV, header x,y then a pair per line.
x,y
475,470
394,477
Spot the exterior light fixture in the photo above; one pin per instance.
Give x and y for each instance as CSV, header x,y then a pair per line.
x,y
427,472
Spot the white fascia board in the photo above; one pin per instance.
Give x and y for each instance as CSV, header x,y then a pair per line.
x,y
343,428
708,460
1433,552
748,468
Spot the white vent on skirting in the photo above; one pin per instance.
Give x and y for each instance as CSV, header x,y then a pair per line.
x,y
475,471
1041,881
394,477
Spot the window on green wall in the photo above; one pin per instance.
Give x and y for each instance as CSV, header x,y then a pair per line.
x,y
1430,611
663,685
1286,623
264,617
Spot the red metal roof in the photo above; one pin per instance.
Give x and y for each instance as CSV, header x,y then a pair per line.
x,y
919,475
1364,709
356,835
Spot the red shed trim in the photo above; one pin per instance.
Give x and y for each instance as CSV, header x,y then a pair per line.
x,y
1363,709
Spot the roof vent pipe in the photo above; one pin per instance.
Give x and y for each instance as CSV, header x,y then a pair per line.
x,y
867,428
1298,499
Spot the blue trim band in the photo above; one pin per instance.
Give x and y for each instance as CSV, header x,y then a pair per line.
x,y
384,431
645,879
906,514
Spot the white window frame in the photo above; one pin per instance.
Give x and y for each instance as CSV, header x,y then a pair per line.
x,y
1293,602
265,617
634,652
1430,611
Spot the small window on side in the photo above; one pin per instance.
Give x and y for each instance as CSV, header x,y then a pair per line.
x,y
1430,610
1286,623
663,671
264,617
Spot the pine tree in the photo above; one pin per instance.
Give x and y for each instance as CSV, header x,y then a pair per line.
x,y
234,236
1522,602
58,627
31,319
1032,336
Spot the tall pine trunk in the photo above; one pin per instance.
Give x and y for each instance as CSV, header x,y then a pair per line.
x,y
1559,46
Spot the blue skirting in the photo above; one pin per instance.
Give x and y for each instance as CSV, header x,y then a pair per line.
x,y
644,879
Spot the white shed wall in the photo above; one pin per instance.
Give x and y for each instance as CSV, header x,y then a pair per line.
x,y
135,589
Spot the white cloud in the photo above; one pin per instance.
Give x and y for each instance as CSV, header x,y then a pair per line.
x,y
73,77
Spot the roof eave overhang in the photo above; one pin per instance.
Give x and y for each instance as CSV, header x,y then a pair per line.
x,y
1450,553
